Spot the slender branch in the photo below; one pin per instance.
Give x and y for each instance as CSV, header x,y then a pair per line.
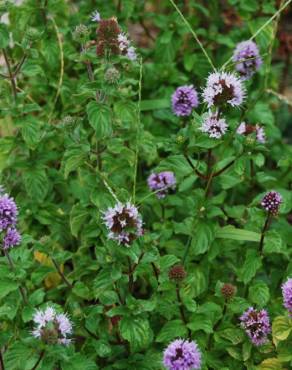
x,y
147,32
181,309
39,360
2,367
262,27
12,267
138,129
60,83
202,176
11,77
264,230
194,34
119,294
61,273
19,65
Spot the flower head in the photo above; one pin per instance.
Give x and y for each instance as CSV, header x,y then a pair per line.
x,y
95,16
177,273
184,99
271,202
215,127
247,58
123,222
107,37
228,291
163,181
8,212
126,48
80,33
131,53
256,325
246,129
223,88
182,355
11,238
287,295
51,327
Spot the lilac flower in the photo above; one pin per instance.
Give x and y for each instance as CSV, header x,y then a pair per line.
x,y
287,295
215,127
256,325
246,129
51,327
95,16
163,181
247,58
182,355
271,202
123,41
223,88
11,238
124,223
260,134
8,212
131,53
184,99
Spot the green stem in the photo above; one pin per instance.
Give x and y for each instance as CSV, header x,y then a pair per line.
x,y
181,309
39,360
264,230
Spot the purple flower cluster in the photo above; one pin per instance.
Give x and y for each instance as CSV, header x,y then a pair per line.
x,y
247,58
215,127
126,48
123,222
8,212
256,325
162,183
271,202
246,129
223,88
51,327
8,220
184,99
287,295
182,355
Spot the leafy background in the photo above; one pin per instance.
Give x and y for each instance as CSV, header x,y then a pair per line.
x,y
62,155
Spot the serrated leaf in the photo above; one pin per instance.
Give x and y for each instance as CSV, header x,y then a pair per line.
x,y
281,328
36,183
136,331
78,215
251,264
259,293
230,232
99,116
270,364
171,330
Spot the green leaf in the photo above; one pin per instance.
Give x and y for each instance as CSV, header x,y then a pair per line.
x,y
270,364
281,328
171,330
36,183
7,286
99,116
136,331
30,131
74,158
202,239
252,263
259,294
4,36
79,361
78,215
155,104
230,232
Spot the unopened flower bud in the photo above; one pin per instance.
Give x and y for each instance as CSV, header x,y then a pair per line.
x,y
80,33
32,34
112,75
177,273
228,291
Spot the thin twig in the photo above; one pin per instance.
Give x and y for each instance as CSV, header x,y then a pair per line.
x,y
187,250
263,233
2,367
138,129
194,34
60,44
261,28
11,77
39,360
12,267
155,270
61,273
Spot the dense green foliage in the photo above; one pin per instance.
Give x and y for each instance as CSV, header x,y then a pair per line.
x,y
72,143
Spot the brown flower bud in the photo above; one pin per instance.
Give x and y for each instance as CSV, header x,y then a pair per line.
x,y
228,291
177,273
